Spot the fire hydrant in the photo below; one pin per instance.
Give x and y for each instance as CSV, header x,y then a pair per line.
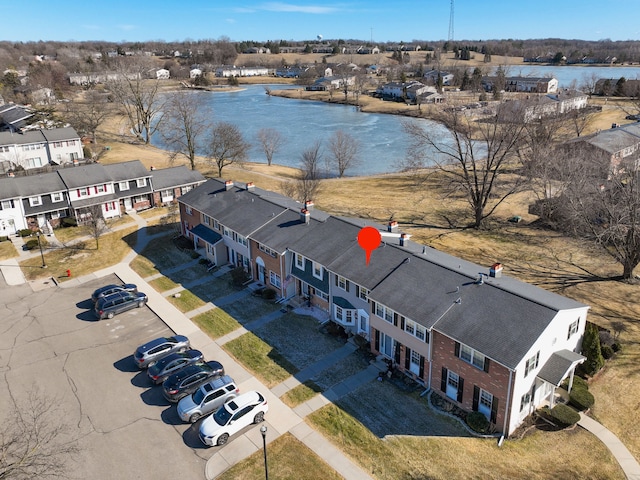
x,y
68,273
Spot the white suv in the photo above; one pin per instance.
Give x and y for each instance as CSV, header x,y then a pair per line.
x,y
232,417
208,398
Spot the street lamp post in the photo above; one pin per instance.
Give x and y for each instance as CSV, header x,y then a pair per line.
x,y
263,431
44,265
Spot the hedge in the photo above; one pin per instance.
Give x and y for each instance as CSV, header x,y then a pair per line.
x,y
565,415
3,239
581,399
25,232
478,422
31,244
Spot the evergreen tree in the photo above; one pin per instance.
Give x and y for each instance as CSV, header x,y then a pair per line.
x,y
465,81
620,87
591,350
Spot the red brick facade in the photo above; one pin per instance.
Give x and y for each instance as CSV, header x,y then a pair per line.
x,y
271,264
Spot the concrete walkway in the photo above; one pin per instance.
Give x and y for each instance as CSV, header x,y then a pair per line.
x,y
629,464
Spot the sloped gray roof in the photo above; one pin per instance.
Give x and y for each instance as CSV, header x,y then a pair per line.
x,y
557,367
84,175
15,138
131,170
41,184
9,189
175,177
58,134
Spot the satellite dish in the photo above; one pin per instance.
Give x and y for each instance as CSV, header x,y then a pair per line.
x,y
319,37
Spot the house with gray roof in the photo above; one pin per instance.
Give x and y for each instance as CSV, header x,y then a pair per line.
x,y
37,148
485,341
171,183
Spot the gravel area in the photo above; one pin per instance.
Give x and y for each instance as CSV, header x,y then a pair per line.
x,y
298,339
386,410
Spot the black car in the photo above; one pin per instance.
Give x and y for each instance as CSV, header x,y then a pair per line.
x,y
118,302
633,117
109,289
167,366
187,380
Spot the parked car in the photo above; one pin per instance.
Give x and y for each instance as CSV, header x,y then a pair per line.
x,y
232,417
166,366
118,302
187,380
207,399
154,350
633,117
109,289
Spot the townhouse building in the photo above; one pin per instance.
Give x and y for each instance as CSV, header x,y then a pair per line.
x,y
40,201
486,341
38,148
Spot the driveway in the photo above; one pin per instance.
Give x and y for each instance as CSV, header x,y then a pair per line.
x,y
125,429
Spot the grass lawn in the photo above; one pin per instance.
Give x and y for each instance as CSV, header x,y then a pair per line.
x,y
153,212
216,323
251,308
262,360
143,266
80,261
539,455
186,302
300,394
288,458
215,288
162,284
7,250
162,251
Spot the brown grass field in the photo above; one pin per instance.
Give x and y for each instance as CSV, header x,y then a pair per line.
x,y
570,267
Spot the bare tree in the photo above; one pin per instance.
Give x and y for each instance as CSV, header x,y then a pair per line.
x,y
270,141
32,441
344,150
606,211
93,219
140,100
88,115
306,185
474,158
184,125
226,146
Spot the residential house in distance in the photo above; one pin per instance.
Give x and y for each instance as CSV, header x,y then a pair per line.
x,y
523,84
14,117
171,183
331,83
432,77
536,107
233,71
404,90
486,341
38,148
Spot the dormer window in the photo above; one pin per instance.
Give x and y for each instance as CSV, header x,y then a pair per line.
x,y
317,270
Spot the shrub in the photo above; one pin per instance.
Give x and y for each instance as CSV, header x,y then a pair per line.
x,y
565,415
581,399
578,383
25,232
69,222
203,261
478,422
591,349
31,244
617,346
269,294
194,254
607,352
3,238
239,276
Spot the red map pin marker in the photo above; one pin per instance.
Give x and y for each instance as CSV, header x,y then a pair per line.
x,y
369,239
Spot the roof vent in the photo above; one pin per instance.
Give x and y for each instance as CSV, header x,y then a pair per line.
x,y
392,226
495,270
305,215
228,184
250,185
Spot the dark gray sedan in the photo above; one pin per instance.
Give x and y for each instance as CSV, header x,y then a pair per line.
x,y
154,350
187,380
160,371
109,289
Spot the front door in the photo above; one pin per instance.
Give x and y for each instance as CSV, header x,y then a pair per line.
x,y
363,322
127,204
453,380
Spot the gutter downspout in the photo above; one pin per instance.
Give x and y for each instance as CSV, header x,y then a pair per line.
x,y
508,402
456,302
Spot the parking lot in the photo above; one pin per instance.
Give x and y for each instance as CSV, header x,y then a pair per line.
x,y
125,429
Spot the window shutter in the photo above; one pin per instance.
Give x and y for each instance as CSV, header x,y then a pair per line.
x,y
78,192
476,398
537,358
336,279
358,291
348,285
395,319
421,366
460,388
427,336
401,322
377,343
494,410
95,189
443,381
407,358
486,364
373,307
457,349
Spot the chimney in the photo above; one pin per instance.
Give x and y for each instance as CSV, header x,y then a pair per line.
x,y
228,184
250,185
305,215
308,205
403,238
495,270
392,226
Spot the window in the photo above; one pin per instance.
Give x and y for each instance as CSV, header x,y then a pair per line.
x,y
349,316
167,195
363,293
531,364
216,225
56,197
139,199
573,329
322,295
485,402
57,144
186,189
241,240
226,231
525,400
83,192
453,385
6,204
123,186
274,279
187,210
141,182
342,282
473,357
108,207
299,261
267,250
4,149
71,143
339,313
317,270
101,189
207,220
35,201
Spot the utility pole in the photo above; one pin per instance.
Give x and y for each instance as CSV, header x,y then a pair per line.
x,y
451,24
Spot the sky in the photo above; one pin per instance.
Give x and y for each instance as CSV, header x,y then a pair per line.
x,y
377,20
